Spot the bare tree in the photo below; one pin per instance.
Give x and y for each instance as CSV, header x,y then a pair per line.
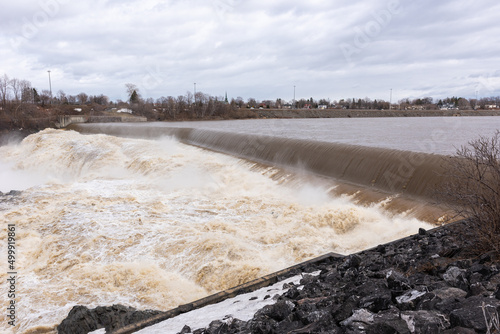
x,y
102,100
240,102
252,102
171,105
463,104
15,86
45,96
26,92
72,99
61,96
82,98
181,104
4,89
473,189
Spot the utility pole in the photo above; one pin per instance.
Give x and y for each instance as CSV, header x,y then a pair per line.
x,y
294,103
195,93
390,101
50,87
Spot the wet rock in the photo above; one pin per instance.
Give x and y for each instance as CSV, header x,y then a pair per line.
x,y
396,281
278,311
470,314
450,293
359,318
308,279
380,249
262,325
456,277
292,293
425,321
389,321
493,283
217,327
376,296
352,261
480,269
477,289
83,320
459,330
185,330
410,299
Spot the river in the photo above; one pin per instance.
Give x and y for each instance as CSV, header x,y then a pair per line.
x,y
146,220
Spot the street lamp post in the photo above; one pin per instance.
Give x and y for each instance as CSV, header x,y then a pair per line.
x,y
294,103
390,101
50,87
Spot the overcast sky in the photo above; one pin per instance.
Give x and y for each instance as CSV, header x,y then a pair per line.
x,y
255,48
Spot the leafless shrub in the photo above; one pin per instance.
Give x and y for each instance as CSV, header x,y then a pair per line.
x,y
491,319
472,189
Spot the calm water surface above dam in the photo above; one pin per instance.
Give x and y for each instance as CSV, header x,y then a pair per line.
x,y
441,135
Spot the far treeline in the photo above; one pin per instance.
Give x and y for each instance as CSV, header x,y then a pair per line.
x,y
23,106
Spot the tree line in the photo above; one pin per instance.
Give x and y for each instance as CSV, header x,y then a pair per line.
x,y
21,103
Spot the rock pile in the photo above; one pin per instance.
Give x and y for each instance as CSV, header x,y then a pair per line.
x,y
427,283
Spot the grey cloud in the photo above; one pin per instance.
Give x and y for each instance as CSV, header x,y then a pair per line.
x,y
260,48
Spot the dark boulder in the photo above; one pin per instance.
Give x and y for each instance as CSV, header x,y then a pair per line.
x,y
472,311
82,320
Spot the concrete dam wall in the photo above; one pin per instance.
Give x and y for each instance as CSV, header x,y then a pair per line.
x,y
66,120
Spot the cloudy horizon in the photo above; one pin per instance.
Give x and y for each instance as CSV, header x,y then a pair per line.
x,y
335,49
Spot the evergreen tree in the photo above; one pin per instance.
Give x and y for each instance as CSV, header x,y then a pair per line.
x,y
134,98
36,97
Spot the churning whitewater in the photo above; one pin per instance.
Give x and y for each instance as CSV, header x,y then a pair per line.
x,y
155,223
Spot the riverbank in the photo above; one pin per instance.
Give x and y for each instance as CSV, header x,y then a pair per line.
x,y
430,282
347,113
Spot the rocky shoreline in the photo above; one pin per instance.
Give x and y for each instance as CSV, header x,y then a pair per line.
x,y
431,282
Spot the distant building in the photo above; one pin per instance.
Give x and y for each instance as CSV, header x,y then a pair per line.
x,y
448,106
322,106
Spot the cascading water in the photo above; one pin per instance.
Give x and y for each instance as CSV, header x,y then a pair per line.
x,y
154,223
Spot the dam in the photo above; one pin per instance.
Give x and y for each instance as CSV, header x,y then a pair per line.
x,y
154,215
394,171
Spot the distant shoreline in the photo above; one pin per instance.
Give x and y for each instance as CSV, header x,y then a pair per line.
x,y
354,113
